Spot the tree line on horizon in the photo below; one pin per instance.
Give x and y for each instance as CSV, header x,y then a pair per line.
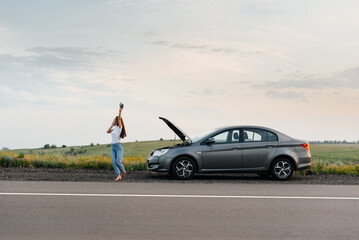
x,y
334,142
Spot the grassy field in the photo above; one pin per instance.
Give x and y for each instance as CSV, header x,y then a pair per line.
x,y
335,152
141,149
331,158
327,152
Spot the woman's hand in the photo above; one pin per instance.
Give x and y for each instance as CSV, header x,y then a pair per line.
x,y
112,125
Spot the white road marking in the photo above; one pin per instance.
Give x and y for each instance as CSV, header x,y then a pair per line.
x,y
172,196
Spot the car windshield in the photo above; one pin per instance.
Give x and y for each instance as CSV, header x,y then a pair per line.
x,y
203,135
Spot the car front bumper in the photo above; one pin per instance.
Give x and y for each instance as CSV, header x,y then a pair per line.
x,y
158,163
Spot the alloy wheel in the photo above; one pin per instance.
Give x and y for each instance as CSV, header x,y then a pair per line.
x,y
184,169
283,169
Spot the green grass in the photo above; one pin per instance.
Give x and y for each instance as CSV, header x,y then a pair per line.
x,y
327,152
11,159
82,157
335,152
327,159
141,149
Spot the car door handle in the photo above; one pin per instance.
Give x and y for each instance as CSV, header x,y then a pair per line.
x,y
236,148
270,146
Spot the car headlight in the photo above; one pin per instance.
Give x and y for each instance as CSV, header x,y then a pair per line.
x,y
160,152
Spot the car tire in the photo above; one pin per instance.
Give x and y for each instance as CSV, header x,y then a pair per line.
x,y
282,169
183,168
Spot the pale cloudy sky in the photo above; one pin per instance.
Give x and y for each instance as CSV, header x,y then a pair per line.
x,y
291,65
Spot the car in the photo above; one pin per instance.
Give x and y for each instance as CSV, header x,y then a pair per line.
x,y
250,149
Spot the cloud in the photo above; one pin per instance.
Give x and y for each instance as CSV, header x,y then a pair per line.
x,y
5,34
137,3
284,94
207,91
67,57
37,63
224,50
128,79
48,58
19,72
161,43
4,89
181,45
33,72
149,34
73,52
178,45
44,76
348,78
240,50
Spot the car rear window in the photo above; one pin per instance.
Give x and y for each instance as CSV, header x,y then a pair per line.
x,y
258,135
272,137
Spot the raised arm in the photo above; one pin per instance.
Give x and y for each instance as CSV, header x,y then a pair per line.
x,y
119,116
113,124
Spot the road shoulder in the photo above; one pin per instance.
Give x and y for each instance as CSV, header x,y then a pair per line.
x,y
66,175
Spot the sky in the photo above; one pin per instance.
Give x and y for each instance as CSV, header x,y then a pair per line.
x,y
291,65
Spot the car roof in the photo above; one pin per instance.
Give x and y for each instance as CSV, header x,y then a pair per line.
x,y
282,136
246,126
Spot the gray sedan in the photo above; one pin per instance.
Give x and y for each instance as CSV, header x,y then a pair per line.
x,y
232,149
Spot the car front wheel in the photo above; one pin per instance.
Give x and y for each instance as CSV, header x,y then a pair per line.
x,y
183,168
282,169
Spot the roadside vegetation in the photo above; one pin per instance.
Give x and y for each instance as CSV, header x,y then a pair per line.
x,y
11,159
82,157
326,159
334,159
139,148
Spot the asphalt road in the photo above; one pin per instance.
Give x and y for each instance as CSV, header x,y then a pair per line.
x,y
80,210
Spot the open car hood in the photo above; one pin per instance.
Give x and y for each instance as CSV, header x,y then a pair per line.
x,y
182,135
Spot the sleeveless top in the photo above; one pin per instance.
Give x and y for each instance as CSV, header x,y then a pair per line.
x,y
115,134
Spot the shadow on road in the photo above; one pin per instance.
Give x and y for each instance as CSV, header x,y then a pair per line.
x,y
222,177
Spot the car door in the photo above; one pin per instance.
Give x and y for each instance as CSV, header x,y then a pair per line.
x,y
224,153
259,147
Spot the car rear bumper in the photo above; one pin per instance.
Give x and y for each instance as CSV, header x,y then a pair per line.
x,y
304,166
304,162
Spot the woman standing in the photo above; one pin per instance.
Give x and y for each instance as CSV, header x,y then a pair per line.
x,y
117,130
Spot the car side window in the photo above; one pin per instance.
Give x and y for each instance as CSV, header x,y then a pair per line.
x,y
272,137
230,136
259,135
255,135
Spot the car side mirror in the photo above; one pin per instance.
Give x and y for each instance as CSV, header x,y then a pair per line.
x,y
210,140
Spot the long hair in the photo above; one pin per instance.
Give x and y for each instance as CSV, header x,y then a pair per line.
x,y
117,123
123,131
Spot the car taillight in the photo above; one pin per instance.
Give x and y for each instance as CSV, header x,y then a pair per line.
x,y
305,145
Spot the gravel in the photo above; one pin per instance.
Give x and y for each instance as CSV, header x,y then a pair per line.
x,y
65,175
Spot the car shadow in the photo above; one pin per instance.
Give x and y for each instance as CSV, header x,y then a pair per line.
x,y
223,177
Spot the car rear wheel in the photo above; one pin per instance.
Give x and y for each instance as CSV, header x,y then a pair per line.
x,y
282,169
183,168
